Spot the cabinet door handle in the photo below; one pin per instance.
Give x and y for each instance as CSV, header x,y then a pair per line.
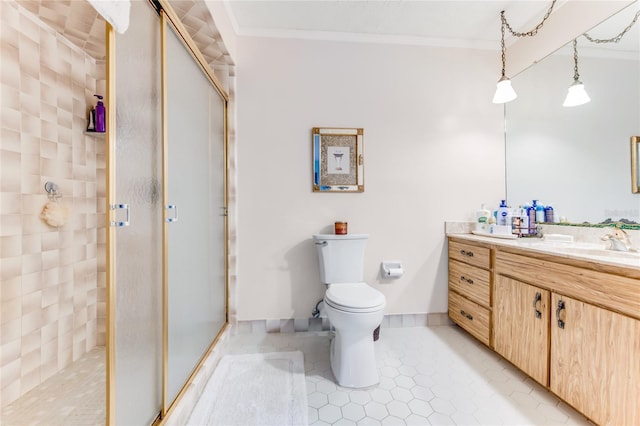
x,y
559,312
466,315
537,300
465,279
466,253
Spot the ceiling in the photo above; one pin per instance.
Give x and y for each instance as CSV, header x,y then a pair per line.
x,y
457,23
79,23
463,23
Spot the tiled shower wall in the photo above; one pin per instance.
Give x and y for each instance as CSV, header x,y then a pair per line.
x,y
53,279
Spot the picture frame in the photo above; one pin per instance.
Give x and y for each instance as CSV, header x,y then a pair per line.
x,y
635,164
338,159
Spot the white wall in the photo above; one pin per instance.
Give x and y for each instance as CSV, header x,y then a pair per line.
x,y
434,151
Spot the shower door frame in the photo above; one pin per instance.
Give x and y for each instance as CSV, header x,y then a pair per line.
x,y
166,17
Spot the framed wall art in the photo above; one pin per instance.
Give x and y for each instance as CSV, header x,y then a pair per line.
x,y
338,159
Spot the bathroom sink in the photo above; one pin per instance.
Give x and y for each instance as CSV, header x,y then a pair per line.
x,y
591,250
599,252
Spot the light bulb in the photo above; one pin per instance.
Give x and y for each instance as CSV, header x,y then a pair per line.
x,y
504,91
576,95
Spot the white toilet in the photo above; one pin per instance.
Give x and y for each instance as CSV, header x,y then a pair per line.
x,y
354,308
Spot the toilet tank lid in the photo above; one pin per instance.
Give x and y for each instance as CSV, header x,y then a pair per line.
x,y
340,237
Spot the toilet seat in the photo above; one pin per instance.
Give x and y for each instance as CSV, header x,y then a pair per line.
x,y
354,297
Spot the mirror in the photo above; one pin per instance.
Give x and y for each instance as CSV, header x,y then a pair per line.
x,y
578,159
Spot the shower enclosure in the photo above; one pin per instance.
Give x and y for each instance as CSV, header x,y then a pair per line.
x,y
125,300
167,199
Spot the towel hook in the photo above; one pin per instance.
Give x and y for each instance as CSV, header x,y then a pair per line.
x,y
52,190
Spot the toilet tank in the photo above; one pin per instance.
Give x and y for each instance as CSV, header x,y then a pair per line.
x,y
341,257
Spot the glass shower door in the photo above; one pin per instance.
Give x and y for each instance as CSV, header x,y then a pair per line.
x,y
195,215
135,234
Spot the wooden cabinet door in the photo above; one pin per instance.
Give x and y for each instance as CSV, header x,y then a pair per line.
x,y
521,326
595,361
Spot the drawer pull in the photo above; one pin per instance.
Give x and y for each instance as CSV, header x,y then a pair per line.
x,y
466,315
559,312
537,300
466,253
465,279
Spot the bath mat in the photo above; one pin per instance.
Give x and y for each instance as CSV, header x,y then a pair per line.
x,y
255,389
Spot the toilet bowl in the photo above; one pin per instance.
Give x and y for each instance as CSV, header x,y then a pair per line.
x,y
354,308
354,314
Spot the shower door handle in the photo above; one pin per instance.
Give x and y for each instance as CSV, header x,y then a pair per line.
x,y
175,213
121,223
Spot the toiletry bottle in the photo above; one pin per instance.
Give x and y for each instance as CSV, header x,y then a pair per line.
x,y
524,220
515,225
510,215
91,127
540,214
548,214
100,115
491,224
531,213
482,219
503,213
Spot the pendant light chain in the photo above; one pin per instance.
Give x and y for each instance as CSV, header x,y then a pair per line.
x,y
532,32
616,38
504,91
502,46
576,74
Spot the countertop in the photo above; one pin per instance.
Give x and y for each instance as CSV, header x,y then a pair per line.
x,y
591,253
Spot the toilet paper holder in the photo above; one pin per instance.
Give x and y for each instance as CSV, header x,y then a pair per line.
x,y
391,269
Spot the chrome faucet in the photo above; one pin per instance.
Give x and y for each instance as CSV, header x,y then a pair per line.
x,y
619,240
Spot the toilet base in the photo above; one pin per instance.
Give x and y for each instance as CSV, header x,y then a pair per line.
x,y
353,360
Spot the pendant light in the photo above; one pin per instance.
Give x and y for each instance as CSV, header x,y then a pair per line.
x,y
504,91
577,95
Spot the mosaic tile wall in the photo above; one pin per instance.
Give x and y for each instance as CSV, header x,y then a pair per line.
x,y
53,278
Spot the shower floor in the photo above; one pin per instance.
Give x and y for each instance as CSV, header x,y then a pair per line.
x,y
72,397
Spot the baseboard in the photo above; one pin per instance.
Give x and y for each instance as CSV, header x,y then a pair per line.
x,y
291,325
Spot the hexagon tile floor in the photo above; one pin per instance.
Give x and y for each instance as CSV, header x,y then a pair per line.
x,y
428,376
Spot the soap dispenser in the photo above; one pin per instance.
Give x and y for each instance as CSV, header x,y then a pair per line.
x,y
100,115
482,219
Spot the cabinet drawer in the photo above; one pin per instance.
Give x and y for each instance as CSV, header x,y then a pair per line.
x,y
471,254
469,281
470,316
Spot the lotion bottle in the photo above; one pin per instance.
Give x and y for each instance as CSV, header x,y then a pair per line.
x,y
503,214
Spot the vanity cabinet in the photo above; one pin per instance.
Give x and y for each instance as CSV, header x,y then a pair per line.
x,y
595,361
469,288
571,324
521,326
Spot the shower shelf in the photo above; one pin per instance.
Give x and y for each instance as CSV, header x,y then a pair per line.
x,y
99,135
